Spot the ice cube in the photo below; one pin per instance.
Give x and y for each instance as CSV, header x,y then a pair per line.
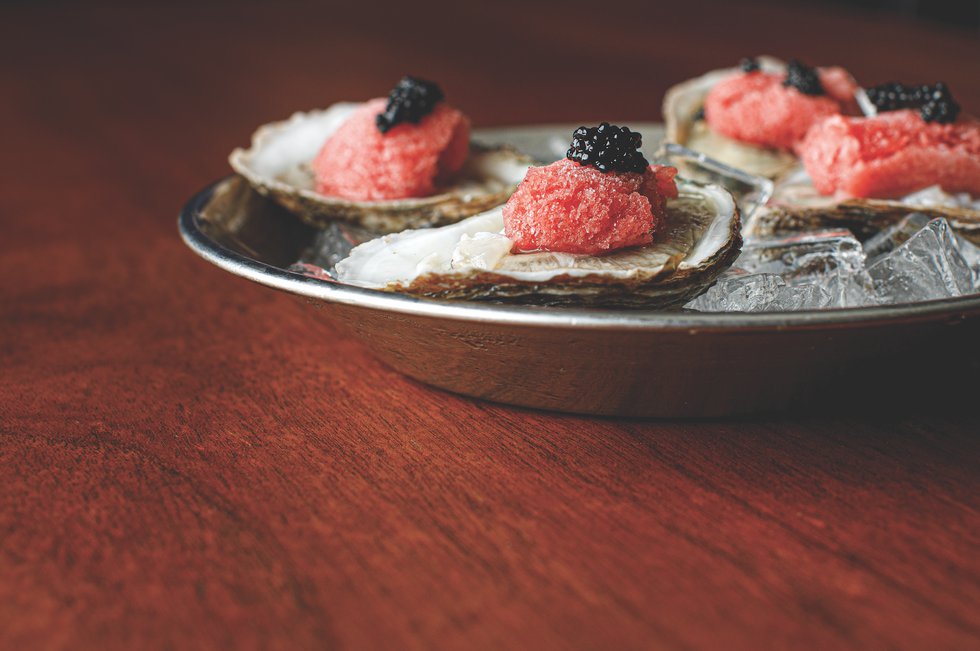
x,y
928,266
738,291
804,297
334,243
831,259
889,239
971,255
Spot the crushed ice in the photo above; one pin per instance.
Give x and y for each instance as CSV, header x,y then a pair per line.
x,y
913,260
916,259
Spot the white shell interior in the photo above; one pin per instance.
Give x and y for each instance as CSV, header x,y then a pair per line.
x,y
282,152
681,106
477,244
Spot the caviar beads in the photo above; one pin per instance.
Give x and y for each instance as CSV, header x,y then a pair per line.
x,y
410,101
803,78
749,65
935,103
608,148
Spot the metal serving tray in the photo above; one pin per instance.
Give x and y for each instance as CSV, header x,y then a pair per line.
x,y
594,361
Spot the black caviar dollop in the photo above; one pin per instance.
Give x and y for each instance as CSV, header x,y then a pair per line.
x,y
894,96
749,65
608,148
803,78
935,103
409,101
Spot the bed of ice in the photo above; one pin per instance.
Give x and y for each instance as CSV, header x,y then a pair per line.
x,y
914,260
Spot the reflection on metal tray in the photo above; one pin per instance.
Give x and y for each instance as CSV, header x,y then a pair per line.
x,y
630,363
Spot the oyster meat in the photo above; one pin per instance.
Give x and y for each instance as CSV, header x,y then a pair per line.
x,y
471,259
681,107
277,164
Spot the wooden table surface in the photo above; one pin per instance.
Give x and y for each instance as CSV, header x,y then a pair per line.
x,y
186,460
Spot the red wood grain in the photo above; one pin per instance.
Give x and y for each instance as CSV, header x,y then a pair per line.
x,y
187,460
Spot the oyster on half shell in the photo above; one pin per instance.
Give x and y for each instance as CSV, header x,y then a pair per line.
x,y
277,164
471,259
796,205
681,106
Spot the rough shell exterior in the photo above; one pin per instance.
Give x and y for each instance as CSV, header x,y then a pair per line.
x,y
277,164
863,217
683,102
795,206
659,278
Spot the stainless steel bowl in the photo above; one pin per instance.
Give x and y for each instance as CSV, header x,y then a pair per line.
x,y
610,362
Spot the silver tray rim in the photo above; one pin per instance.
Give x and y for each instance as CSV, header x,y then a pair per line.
x,y
190,228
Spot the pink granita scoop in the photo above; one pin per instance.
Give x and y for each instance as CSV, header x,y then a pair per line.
x,y
360,163
891,155
571,208
756,107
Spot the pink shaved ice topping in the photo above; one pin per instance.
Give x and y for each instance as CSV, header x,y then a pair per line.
x,y
360,163
756,108
892,154
576,209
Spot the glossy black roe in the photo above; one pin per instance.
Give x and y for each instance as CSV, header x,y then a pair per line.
x,y
803,78
941,107
410,101
894,96
608,148
749,65
935,103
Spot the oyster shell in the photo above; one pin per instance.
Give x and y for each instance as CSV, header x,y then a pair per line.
x,y
699,239
277,164
863,217
682,103
796,205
